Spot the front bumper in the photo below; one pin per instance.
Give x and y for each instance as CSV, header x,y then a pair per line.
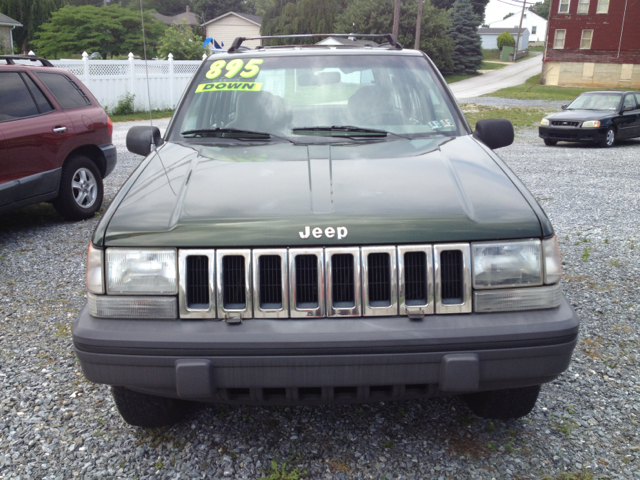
x,y
327,360
573,134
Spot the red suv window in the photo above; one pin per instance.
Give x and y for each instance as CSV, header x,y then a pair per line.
x,y
66,92
16,102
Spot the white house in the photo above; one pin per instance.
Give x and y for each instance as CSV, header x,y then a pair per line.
x,y
227,27
536,25
7,24
489,37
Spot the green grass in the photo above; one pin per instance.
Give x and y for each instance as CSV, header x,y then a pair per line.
x,y
457,78
491,66
539,48
491,54
540,92
519,117
526,57
142,116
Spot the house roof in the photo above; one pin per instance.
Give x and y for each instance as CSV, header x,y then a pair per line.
x,y
4,20
190,17
246,16
498,31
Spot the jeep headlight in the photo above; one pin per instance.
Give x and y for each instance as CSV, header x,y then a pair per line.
x,y
141,272
544,122
591,124
507,264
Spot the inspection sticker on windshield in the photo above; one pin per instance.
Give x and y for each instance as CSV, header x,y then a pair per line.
x,y
229,87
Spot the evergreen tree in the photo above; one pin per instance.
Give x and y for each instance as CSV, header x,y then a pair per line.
x,y
209,9
110,30
479,7
376,16
467,54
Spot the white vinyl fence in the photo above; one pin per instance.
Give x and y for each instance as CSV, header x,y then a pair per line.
x,y
111,80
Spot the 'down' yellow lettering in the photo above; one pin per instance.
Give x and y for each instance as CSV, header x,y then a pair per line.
x,y
229,87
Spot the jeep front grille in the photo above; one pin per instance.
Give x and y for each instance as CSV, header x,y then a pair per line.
x,y
412,280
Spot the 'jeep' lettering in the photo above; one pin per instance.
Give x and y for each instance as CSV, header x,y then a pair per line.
x,y
229,87
329,232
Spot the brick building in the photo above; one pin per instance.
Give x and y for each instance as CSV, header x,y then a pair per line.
x,y
593,43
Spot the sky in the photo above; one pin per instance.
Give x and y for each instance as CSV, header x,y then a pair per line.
x,y
497,9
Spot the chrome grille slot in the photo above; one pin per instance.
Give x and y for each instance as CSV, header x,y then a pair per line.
x,y
453,278
380,281
306,286
415,279
233,284
196,281
270,286
415,271
343,282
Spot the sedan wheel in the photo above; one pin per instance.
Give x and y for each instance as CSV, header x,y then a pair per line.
x,y
610,139
550,143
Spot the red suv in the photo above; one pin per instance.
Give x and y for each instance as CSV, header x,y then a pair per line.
x,y
55,139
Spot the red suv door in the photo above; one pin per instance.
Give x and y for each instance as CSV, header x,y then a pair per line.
x,y
33,132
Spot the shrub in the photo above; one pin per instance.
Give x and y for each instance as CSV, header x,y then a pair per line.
x,y
125,105
505,39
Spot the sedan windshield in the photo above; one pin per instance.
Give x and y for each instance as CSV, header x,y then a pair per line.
x,y
358,97
596,101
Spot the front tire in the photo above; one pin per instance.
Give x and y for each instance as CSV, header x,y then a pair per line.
x,y
149,411
609,139
550,143
81,189
503,404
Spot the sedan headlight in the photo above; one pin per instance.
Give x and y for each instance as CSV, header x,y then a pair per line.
x,y
591,124
141,272
544,122
507,264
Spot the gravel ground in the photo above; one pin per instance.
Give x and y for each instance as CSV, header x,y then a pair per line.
x,y
54,424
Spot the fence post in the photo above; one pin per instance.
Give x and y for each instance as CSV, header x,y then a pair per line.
x,y
204,57
132,70
85,62
171,82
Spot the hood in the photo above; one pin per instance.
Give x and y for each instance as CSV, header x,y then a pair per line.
x,y
581,115
392,192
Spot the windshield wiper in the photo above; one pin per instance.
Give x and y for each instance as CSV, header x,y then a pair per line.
x,y
343,131
232,133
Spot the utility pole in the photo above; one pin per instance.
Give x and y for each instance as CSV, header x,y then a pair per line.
x,y
418,25
396,18
515,52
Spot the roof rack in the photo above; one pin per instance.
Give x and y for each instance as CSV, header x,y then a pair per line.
x,y
10,59
391,39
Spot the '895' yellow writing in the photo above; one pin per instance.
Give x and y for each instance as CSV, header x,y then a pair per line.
x,y
251,69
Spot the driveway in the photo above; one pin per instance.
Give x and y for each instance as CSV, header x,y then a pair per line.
x,y
510,76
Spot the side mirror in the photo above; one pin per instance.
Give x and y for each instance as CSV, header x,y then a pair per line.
x,y
564,107
143,140
494,133
627,108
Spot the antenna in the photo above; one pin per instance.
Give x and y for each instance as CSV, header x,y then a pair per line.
x,y
146,66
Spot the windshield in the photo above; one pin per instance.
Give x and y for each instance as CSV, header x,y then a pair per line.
x,y
340,96
596,101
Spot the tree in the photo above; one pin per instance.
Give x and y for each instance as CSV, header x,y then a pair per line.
x,y
110,30
505,39
181,41
376,16
467,54
31,14
479,7
209,9
541,8
510,14
165,7
288,17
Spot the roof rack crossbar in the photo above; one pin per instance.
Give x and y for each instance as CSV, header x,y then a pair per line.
x,y
391,39
10,59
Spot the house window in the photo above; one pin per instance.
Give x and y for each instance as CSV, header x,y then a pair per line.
x,y
585,41
533,30
558,40
564,6
603,6
583,7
